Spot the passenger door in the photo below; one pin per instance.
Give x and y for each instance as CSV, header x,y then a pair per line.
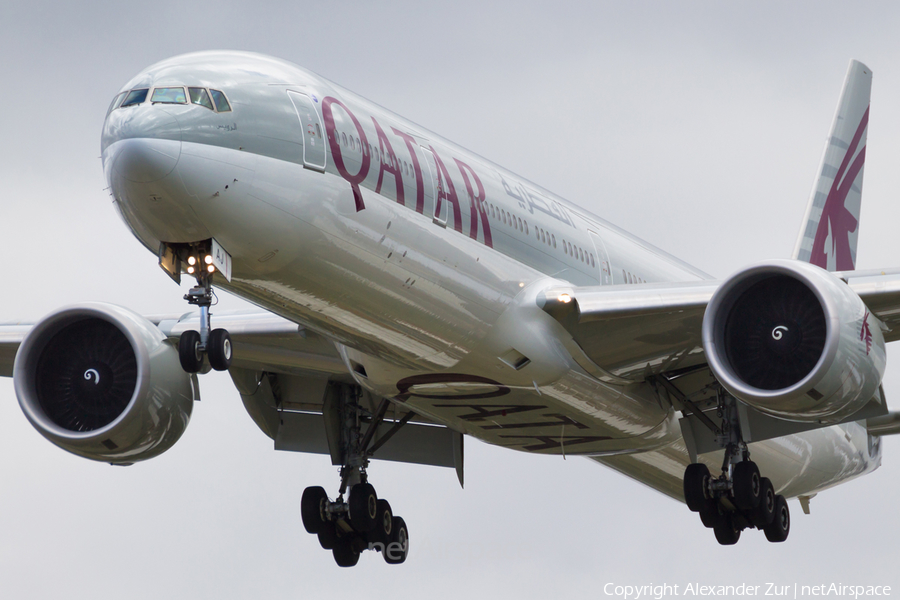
x,y
433,186
602,259
312,131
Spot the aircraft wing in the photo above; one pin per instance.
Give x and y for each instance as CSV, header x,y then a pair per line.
x,y
261,340
880,290
629,332
11,335
282,371
625,330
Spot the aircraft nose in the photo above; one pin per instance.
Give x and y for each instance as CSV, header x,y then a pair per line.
x,y
146,143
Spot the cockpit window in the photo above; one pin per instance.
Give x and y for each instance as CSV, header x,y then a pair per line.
x,y
134,97
169,95
115,102
220,100
199,96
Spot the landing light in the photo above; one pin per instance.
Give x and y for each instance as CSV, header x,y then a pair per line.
x,y
191,260
211,268
208,259
565,298
191,270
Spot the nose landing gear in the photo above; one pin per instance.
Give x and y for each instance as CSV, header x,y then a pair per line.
x,y
215,343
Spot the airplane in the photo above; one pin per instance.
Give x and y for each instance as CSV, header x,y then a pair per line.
x,y
411,293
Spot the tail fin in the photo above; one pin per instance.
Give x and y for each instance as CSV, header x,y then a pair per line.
x,y
831,229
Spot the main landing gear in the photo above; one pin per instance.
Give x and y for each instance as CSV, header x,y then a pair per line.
x,y
193,346
363,521
739,498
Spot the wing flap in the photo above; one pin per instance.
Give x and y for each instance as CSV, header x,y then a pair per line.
x,y
413,443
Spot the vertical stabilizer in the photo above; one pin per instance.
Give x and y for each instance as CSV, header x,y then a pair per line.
x,y
831,228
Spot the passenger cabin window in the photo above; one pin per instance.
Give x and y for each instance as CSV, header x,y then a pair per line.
x,y
199,96
220,101
134,97
168,95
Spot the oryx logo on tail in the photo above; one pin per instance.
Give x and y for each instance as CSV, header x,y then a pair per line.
x,y
831,246
830,232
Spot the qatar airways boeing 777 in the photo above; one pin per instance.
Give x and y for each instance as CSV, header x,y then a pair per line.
x,y
412,293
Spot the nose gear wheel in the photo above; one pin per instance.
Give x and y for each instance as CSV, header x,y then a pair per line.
x,y
214,344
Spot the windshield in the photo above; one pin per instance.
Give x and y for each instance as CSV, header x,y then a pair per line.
x,y
169,95
134,97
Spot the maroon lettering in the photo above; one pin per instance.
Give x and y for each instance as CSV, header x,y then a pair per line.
x,y
420,185
477,204
446,191
389,164
332,134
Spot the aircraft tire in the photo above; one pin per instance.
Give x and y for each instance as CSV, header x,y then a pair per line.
x,y
695,478
345,555
397,550
780,527
710,514
384,522
311,509
363,507
764,512
328,537
219,349
189,351
746,485
726,532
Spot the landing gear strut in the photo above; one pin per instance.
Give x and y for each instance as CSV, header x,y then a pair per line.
x,y
739,498
194,345
363,521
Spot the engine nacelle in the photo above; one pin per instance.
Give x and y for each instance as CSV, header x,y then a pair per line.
x,y
794,342
102,382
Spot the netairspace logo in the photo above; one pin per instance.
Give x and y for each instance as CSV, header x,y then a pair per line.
x,y
775,590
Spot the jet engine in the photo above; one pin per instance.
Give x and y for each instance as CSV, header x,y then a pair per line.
x,y
793,341
102,382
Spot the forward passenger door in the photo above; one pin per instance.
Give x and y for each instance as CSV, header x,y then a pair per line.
x,y
313,132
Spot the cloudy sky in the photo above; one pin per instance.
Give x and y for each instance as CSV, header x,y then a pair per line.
x,y
695,125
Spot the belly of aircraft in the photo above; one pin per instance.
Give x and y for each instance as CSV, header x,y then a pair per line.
x,y
439,323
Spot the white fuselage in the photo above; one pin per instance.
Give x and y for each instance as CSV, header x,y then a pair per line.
x,y
420,260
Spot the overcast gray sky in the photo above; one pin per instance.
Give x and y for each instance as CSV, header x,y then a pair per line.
x,y
695,125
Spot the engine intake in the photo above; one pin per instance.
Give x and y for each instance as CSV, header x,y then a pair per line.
x,y
794,342
102,382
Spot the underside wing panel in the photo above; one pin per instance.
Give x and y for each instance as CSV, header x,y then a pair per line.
x,y
412,443
576,415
